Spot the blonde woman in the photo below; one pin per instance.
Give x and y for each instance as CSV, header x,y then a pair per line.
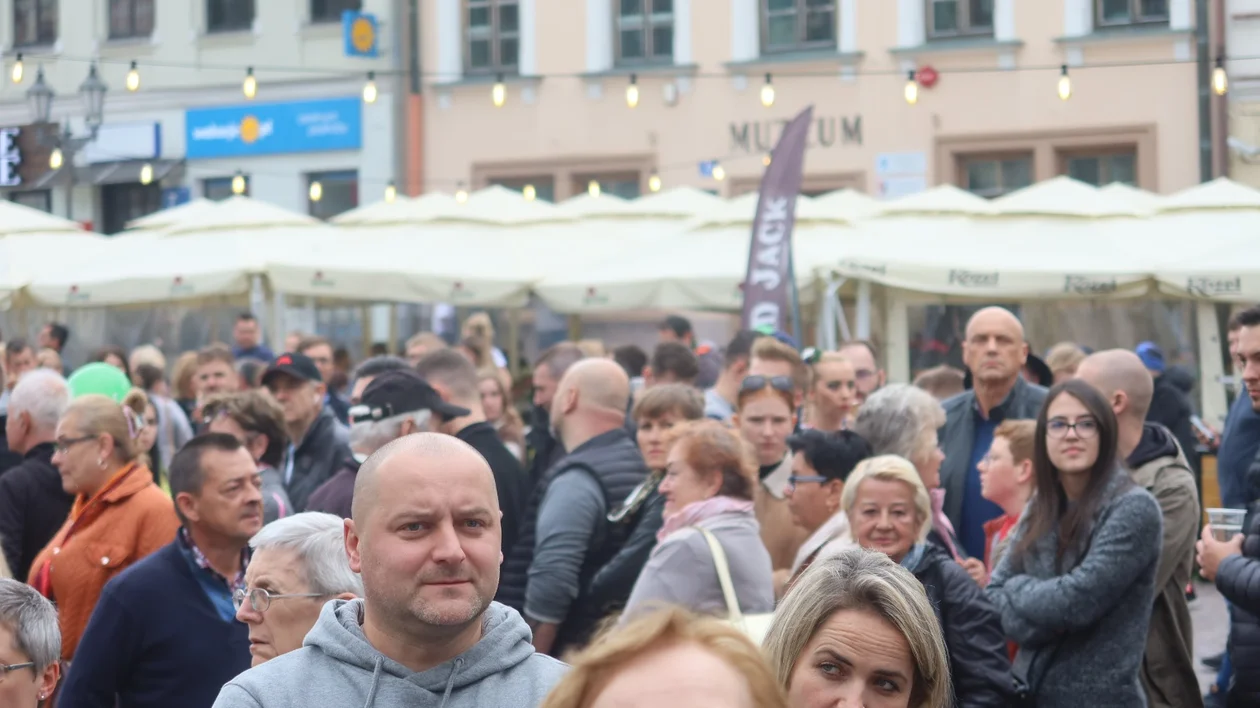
x,y
480,330
668,659
832,398
822,645
496,402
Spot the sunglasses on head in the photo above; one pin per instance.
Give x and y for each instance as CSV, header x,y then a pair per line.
x,y
758,382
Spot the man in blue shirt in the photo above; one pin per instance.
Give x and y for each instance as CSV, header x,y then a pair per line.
x,y
248,339
164,632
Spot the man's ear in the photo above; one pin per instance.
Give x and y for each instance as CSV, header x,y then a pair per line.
x,y
352,546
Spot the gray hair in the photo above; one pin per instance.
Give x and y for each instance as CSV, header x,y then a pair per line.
x,y
369,436
316,539
44,394
896,417
858,579
890,468
32,620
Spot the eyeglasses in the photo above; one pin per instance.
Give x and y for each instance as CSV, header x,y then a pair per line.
x,y
6,668
63,446
1085,428
758,382
796,480
260,599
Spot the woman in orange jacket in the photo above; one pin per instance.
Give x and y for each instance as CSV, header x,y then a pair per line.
x,y
119,515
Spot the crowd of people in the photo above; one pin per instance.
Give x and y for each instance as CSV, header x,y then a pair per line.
x,y
753,526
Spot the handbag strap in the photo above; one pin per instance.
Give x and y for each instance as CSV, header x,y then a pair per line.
x,y
724,575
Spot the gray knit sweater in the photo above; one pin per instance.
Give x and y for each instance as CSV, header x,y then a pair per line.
x,y
1082,633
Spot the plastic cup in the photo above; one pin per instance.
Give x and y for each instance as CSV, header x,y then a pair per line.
x,y
1226,523
1225,532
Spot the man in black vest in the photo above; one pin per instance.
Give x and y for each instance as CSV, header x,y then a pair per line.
x,y
545,450
571,535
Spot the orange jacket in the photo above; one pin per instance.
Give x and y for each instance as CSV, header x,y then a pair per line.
x,y
128,522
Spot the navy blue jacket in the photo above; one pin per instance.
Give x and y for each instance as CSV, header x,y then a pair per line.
x,y
155,641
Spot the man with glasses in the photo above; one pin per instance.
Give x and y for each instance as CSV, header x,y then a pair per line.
x,y
299,563
164,632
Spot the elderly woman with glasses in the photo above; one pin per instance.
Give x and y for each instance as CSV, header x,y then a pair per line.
x,y
299,563
30,646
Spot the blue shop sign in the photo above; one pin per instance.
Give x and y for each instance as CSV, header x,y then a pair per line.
x,y
360,31
274,128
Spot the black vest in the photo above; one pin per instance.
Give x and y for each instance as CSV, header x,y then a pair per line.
x,y
614,461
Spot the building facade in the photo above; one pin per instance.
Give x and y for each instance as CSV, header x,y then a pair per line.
x,y
987,73
189,128
1242,44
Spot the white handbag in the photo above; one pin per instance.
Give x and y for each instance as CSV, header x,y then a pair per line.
x,y
755,626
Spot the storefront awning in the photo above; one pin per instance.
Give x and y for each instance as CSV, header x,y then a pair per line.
x,y
125,172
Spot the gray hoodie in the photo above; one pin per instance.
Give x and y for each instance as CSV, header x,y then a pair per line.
x,y
337,667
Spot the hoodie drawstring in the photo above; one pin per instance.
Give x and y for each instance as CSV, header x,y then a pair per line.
x,y
376,681
450,681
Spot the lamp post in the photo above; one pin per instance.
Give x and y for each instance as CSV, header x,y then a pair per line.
x,y
65,144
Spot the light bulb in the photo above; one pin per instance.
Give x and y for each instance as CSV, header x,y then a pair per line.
x,y
767,93
592,188
461,194
317,191
250,86
529,193
238,183
1065,84
632,92
498,94
766,159
146,174
391,192
18,69
1220,80
654,182
369,89
133,78
719,173
56,159
912,89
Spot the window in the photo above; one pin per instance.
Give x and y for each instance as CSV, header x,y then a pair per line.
x,y
544,186
121,203
34,22
959,18
793,25
645,31
216,189
36,199
1103,169
626,185
130,18
340,193
494,31
1113,13
330,10
991,177
229,15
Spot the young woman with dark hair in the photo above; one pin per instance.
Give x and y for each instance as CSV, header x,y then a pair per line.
x,y
1076,589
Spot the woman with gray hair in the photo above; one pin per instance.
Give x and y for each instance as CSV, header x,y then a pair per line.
x,y
299,563
902,420
30,646
857,630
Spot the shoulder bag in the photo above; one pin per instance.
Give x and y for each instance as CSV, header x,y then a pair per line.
x,y
755,626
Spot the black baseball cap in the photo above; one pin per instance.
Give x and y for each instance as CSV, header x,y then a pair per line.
x,y
398,392
299,366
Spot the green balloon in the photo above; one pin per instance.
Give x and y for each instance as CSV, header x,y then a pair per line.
x,y
101,379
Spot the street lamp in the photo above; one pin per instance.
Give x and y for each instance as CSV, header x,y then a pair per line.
x,y
64,145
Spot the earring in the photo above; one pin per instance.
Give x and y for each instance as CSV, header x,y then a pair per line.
x,y
100,462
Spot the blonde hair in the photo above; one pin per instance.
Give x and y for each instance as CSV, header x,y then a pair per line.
x,y
890,468
98,415
182,376
147,354
1064,357
511,426
134,404
593,348
858,579
428,340
595,666
771,349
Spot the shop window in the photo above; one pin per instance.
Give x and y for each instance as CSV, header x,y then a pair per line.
x,y
626,185
229,15
339,193
493,35
130,18
544,186
330,10
959,18
1101,169
645,31
993,176
36,199
795,25
34,22
121,203
1118,13
216,189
